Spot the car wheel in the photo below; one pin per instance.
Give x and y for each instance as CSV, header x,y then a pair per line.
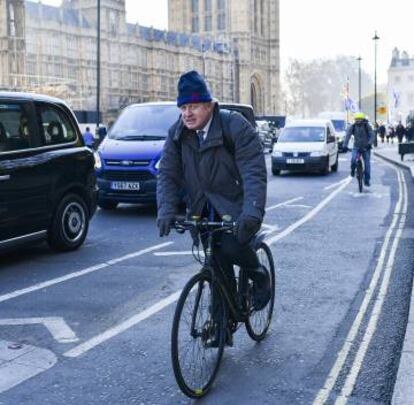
x,y
275,172
334,167
107,205
69,224
326,169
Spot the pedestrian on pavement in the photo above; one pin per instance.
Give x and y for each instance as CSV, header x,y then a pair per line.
x,y
381,131
390,133
363,135
216,156
409,134
88,138
400,132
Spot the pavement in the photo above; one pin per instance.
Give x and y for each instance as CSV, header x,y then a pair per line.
x,y
404,385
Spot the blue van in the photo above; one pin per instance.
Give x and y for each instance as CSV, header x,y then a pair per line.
x,y
131,152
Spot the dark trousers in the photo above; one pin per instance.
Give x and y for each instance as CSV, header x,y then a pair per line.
x,y
228,252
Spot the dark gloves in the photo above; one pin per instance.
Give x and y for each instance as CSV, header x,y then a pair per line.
x,y
164,225
369,147
345,149
246,228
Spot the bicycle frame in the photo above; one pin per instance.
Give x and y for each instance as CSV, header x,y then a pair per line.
x,y
219,278
359,158
213,268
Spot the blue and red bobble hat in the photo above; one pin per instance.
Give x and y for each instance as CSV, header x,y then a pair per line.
x,y
192,88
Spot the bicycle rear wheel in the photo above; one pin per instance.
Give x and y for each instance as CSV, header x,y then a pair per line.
x,y
258,322
360,176
198,336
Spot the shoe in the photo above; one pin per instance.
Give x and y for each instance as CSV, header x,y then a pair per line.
x,y
214,342
261,287
352,172
367,183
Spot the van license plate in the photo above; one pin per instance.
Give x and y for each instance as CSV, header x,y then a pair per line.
x,y
295,161
124,185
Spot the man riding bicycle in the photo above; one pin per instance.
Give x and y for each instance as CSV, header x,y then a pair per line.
x,y
217,158
363,140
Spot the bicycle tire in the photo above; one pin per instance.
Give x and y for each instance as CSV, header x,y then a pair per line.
x,y
197,387
258,322
360,176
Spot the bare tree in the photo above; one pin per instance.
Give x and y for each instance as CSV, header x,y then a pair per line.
x,y
318,85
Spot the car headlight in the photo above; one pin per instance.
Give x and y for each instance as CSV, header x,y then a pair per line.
x,y
98,160
157,165
277,154
318,153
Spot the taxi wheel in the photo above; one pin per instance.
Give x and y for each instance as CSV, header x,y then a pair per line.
x,y
70,223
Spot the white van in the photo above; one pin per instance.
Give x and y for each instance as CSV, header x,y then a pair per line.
x,y
306,145
339,122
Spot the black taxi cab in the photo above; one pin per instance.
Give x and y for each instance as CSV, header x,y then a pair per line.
x,y
47,174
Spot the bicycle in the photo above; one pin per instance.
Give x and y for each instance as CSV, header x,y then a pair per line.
x,y
360,169
208,313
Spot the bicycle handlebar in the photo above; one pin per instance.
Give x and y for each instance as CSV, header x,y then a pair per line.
x,y
185,224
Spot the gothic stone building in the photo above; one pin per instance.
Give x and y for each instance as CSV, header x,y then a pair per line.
x,y
52,50
400,86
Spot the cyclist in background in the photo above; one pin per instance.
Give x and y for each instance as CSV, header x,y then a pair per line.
x,y
217,158
363,141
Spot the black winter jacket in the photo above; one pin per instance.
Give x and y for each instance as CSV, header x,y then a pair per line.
x,y
232,177
363,134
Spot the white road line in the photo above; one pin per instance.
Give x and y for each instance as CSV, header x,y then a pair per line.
x,y
79,273
334,184
110,333
298,206
56,325
283,203
180,253
376,312
309,215
122,327
324,393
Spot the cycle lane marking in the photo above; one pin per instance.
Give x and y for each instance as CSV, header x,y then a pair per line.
x,y
376,312
146,313
122,327
309,215
283,203
56,326
335,184
80,273
330,381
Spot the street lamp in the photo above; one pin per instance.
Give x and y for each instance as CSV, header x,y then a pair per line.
x,y
359,83
98,63
375,39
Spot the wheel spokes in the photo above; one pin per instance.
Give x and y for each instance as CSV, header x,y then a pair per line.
x,y
198,361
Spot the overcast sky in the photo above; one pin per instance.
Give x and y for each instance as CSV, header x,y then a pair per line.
x,y
321,28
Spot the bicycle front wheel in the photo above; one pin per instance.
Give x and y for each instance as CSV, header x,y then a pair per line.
x,y
258,322
360,176
198,336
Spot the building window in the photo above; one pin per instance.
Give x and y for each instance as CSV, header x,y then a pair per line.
x,y
411,78
410,97
195,26
207,16
397,79
112,23
12,21
221,15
